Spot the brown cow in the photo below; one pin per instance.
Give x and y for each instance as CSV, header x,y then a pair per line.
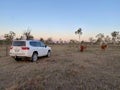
x,y
82,48
103,46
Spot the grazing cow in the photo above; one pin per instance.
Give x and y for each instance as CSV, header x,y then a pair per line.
x,y
82,48
103,46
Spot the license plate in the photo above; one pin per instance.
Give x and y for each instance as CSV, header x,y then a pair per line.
x,y
17,50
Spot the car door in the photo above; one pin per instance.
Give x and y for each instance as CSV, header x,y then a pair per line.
x,y
40,49
36,46
44,49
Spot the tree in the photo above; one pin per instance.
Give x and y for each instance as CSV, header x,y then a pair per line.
x,y
41,39
114,35
72,41
10,36
92,40
100,37
49,41
28,35
60,41
79,32
118,38
20,38
107,39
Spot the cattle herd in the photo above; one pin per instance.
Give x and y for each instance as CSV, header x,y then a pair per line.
x,y
103,47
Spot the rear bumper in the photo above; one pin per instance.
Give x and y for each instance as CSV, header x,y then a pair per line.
x,y
14,55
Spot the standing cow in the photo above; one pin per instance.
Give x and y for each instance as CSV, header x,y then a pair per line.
x,y
82,47
103,46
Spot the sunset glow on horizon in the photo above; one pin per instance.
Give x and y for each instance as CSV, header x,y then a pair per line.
x,y
59,19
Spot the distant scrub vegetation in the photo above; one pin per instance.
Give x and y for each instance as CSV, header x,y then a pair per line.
x,y
99,38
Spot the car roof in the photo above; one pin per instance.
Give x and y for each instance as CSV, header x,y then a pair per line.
x,y
26,40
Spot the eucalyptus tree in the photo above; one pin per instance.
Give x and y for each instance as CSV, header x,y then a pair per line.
x,y
49,41
10,36
79,32
114,35
92,40
100,37
41,39
107,39
28,35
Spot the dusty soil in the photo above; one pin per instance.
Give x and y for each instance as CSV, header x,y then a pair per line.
x,y
66,69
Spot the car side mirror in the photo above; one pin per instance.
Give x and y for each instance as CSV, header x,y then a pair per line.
x,y
45,46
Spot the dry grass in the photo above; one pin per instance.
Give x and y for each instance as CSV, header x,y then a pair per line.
x,y
4,50
66,69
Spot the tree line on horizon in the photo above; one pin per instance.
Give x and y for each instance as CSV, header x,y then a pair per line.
x,y
100,37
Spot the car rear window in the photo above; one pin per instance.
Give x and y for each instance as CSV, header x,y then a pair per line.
x,y
19,43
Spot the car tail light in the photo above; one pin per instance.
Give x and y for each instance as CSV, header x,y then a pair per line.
x,y
11,47
25,48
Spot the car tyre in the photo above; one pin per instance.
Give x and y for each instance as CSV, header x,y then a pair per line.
x,y
34,57
49,53
17,59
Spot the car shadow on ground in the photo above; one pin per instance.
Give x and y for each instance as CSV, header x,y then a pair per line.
x,y
40,59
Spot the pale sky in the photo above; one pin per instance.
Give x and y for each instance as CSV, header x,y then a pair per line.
x,y
60,18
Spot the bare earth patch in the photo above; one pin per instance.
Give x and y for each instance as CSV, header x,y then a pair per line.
x,y
66,69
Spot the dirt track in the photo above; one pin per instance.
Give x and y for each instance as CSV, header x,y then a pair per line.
x,y
66,69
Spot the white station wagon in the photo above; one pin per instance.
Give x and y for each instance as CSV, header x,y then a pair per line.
x,y
29,48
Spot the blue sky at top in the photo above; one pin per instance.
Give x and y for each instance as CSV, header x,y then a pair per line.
x,y
59,18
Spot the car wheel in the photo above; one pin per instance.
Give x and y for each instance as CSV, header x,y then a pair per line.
x,y
34,57
17,59
48,54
